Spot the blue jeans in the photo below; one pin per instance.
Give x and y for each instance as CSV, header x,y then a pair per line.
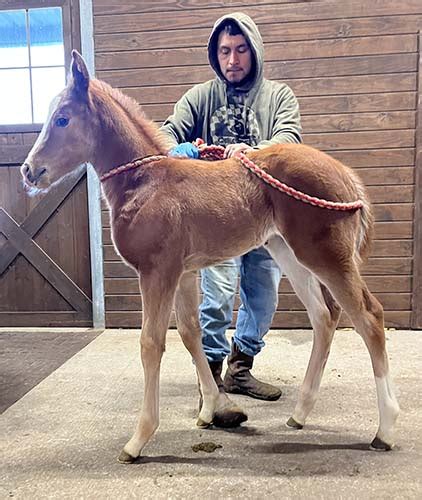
x,y
259,280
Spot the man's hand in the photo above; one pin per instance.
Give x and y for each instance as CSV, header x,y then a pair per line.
x,y
185,150
232,149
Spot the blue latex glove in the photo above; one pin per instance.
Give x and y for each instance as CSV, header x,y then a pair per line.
x,y
186,149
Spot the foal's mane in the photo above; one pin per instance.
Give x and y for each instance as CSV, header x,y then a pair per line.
x,y
147,132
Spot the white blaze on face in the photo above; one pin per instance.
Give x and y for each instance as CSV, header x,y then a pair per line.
x,y
42,135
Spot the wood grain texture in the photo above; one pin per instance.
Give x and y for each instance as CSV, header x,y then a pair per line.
x,y
305,49
48,282
286,302
294,31
374,266
416,320
355,68
288,319
380,248
377,284
45,319
262,14
37,218
157,102
359,140
13,154
325,122
303,87
44,265
104,7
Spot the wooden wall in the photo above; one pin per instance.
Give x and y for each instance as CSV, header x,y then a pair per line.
x,y
354,67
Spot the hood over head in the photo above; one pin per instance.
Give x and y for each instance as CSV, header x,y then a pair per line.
x,y
251,33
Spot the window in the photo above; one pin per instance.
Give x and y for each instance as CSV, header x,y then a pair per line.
x,y
32,63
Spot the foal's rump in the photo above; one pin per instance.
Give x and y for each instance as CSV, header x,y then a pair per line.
x,y
317,174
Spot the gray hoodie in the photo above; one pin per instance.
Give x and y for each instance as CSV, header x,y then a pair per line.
x,y
258,112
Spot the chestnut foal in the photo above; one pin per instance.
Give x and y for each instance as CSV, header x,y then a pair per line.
x,y
171,217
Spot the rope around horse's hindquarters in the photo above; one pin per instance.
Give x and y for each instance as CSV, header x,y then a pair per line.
x,y
217,153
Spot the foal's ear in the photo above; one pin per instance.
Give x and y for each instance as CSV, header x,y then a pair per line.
x,y
79,72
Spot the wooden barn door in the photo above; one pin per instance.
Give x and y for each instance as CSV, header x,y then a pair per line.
x,y
44,253
45,275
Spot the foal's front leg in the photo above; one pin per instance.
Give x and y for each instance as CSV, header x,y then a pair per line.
x,y
158,288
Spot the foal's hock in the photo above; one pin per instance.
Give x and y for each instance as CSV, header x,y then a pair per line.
x,y
171,217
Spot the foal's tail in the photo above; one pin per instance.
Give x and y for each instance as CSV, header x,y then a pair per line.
x,y
366,226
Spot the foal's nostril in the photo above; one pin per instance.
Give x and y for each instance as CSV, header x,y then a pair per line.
x,y
26,172
32,175
25,169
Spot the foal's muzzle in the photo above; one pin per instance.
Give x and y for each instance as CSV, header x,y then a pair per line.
x,y
32,176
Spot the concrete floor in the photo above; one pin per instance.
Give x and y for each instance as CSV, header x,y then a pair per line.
x,y
61,439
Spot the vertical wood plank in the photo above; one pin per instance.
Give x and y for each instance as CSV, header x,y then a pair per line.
x,y
67,33
94,189
416,317
75,18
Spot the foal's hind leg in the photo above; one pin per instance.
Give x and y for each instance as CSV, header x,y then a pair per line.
x,y
323,313
158,288
216,406
186,305
367,316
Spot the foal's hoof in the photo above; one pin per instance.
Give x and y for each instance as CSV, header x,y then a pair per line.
x,y
125,458
379,445
292,423
229,416
202,424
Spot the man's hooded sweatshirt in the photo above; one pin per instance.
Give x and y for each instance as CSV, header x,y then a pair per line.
x,y
256,111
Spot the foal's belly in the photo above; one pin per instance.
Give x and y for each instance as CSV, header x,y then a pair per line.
x,y
223,247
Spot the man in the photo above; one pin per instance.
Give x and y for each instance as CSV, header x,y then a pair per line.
x,y
239,110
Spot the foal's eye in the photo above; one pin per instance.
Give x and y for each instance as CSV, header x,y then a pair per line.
x,y
62,122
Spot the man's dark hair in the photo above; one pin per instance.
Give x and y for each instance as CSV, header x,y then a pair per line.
x,y
230,27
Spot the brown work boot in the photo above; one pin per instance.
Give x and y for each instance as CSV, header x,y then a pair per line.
x,y
227,414
239,380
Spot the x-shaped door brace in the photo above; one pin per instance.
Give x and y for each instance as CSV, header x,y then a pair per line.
x,y
19,241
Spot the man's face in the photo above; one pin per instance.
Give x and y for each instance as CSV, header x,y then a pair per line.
x,y
234,57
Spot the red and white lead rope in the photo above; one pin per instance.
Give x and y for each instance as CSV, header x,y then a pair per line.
x,y
130,166
217,153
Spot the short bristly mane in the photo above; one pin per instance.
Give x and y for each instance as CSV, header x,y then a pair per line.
x,y
148,130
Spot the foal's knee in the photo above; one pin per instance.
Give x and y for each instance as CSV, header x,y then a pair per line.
x,y
151,348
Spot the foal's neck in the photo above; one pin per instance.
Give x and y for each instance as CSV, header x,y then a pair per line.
x,y
124,135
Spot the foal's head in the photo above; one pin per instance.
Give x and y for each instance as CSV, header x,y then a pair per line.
x,y
67,137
